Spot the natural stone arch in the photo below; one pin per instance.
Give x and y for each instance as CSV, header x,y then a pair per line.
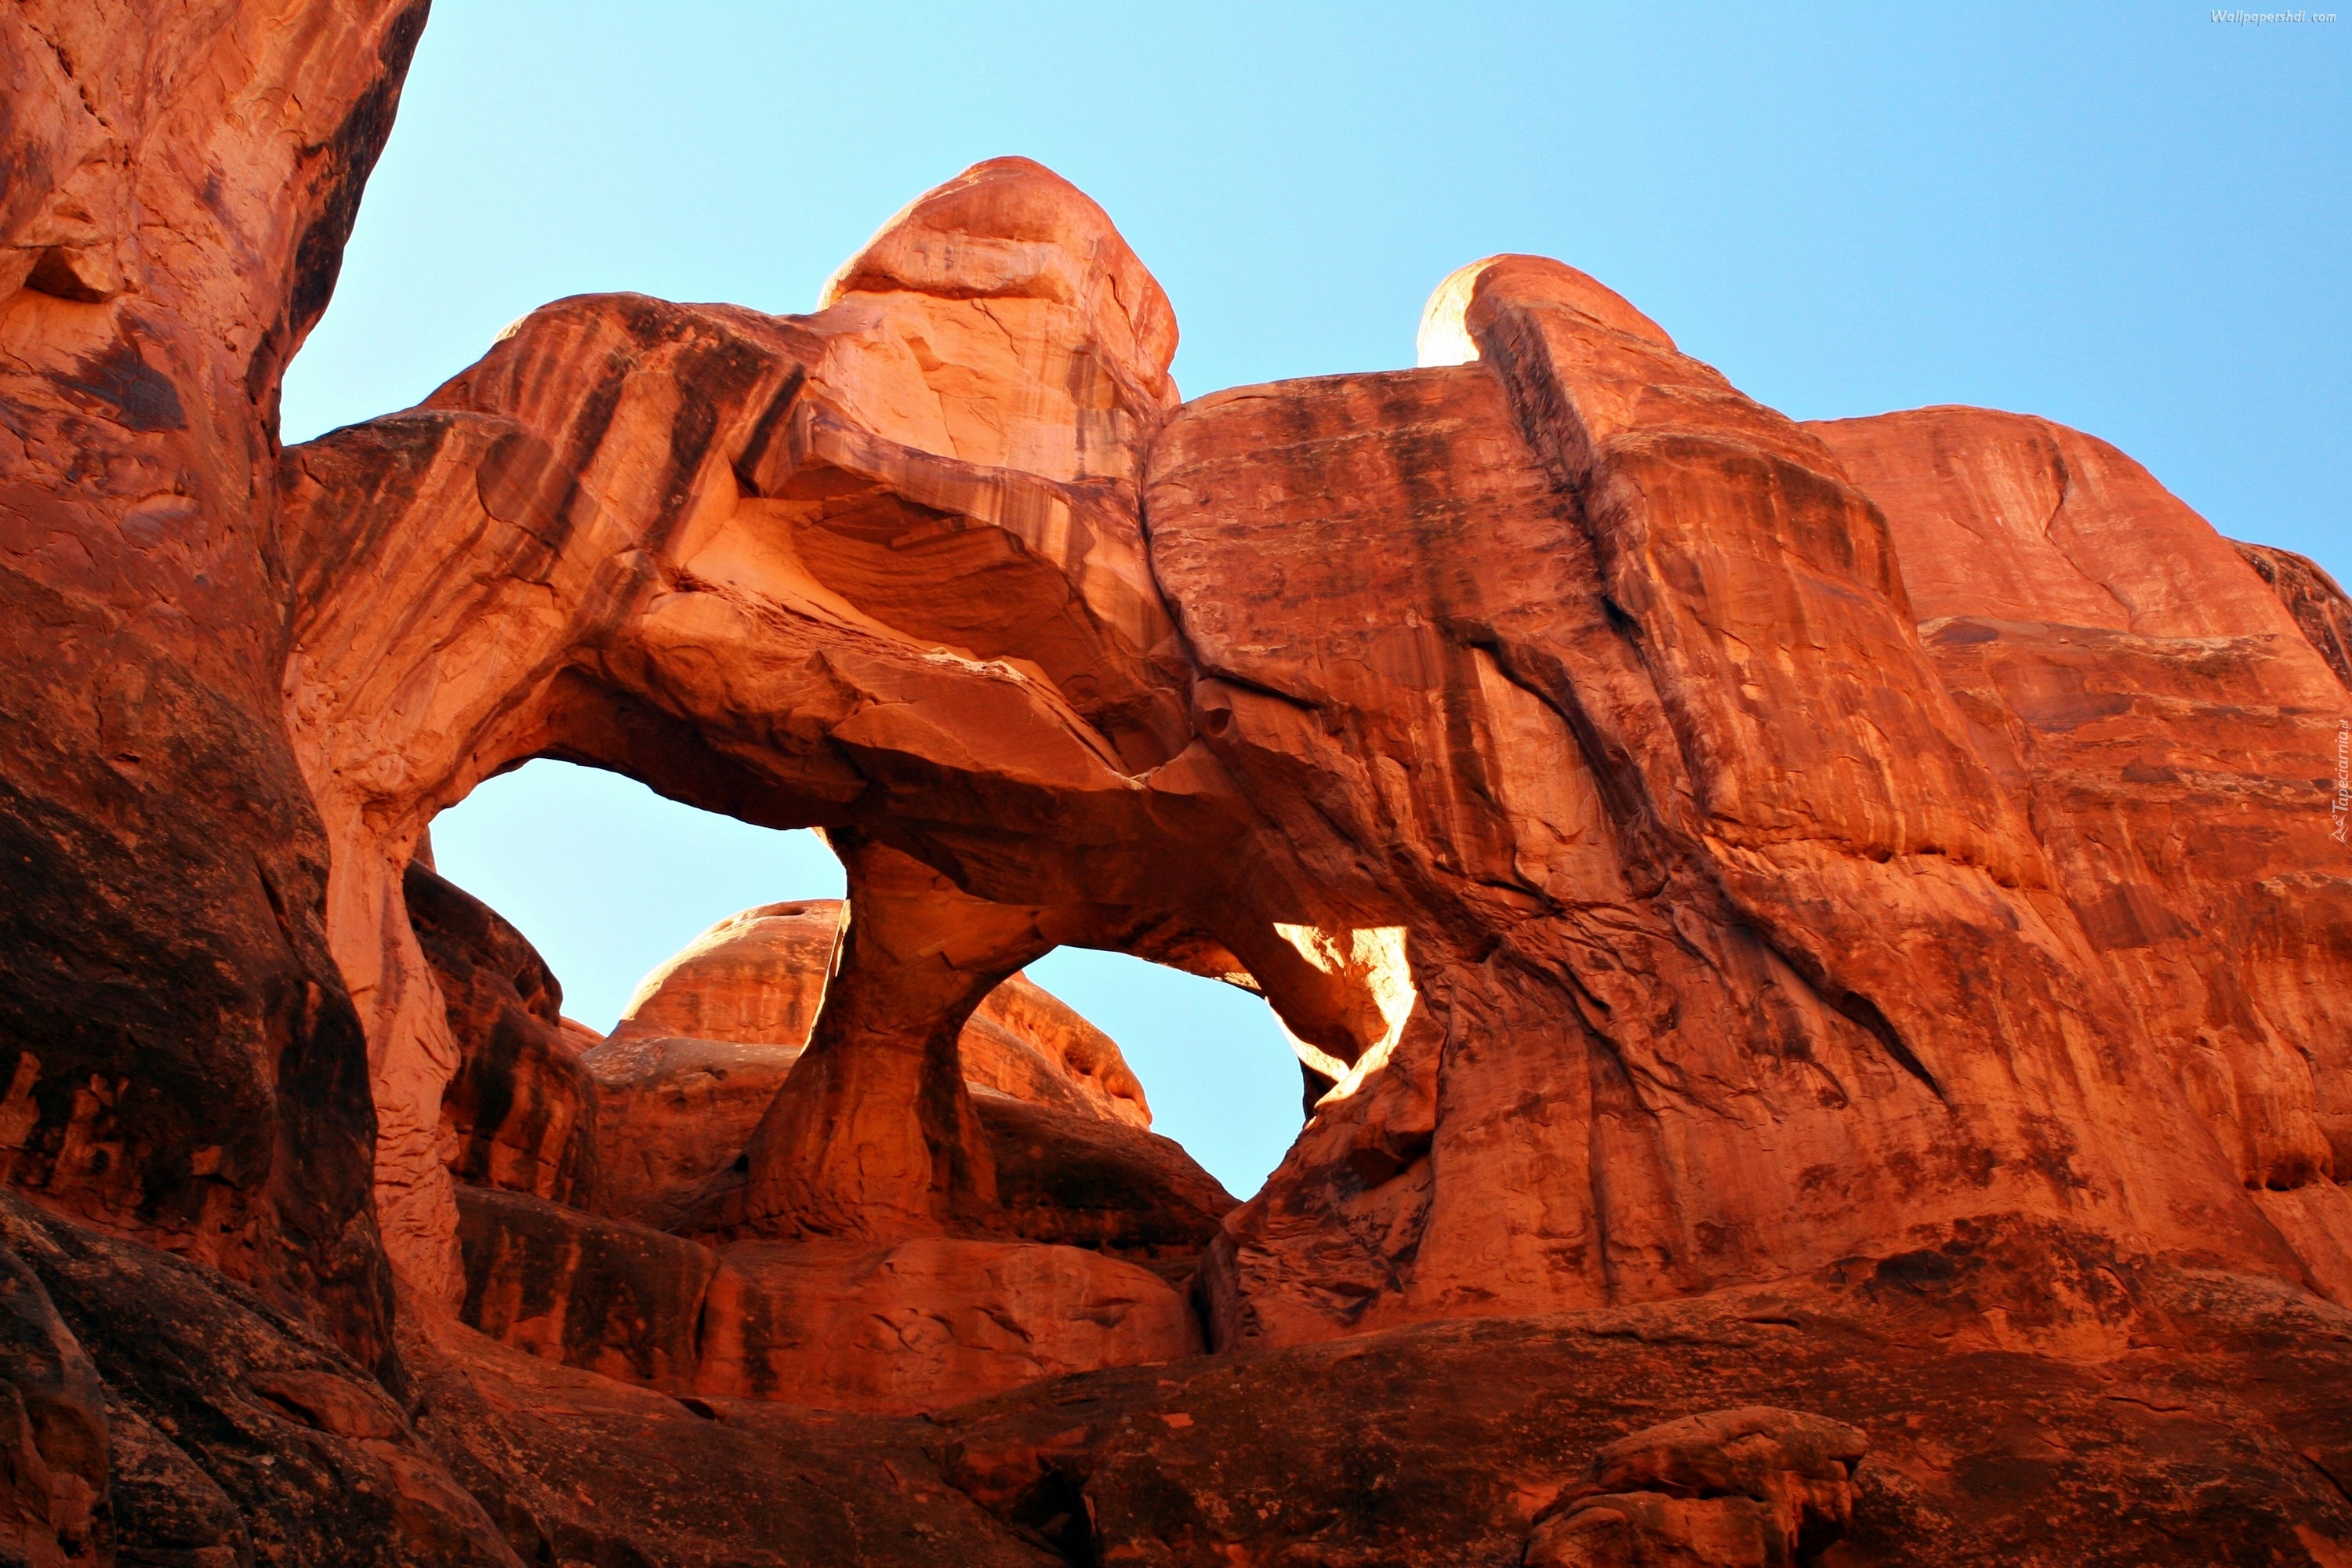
x,y
1653,796
1723,987
595,545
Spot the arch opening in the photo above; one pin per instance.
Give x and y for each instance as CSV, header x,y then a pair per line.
x,y
820,1113
610,880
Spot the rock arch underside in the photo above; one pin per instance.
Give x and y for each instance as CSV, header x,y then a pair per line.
x,y
1819,954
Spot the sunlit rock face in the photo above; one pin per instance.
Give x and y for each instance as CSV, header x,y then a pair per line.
x,y
1848,921
758,978
2173,719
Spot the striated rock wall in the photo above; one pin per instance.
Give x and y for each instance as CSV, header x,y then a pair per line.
x,y
1858,904
1733,952
2173,723
186,1065
519,1113
1651,810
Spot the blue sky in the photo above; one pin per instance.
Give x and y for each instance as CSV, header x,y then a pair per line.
x,y
2130,218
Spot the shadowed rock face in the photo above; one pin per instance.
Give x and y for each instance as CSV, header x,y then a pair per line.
x,y
1755,1487
520,1110
1858,904
186,1064
1078,1264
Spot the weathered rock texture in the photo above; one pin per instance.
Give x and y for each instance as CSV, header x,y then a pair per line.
x,y
186,1064
1081,1264
520,1111
711,1037
755,979
1754,1488
927,1322
2173,721
1847,919
2312,597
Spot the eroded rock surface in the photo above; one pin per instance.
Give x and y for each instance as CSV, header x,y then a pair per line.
x,y
711,1037
1083,1262
56,1468
1753,1488
927,1323
611,1298
229,1428
2175,728
1845,918
186,1066
2312,597
755,979
520,1110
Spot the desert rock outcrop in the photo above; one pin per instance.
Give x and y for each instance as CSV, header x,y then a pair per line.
x,y
1755,1487
1080,1265
755,978
1842,917
519,1113
2174,726
2312,597
187,1061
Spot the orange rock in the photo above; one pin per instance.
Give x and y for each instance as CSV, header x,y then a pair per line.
x,y
2312,597
1002,320
628,1301
1681,946
1643,868
1076,1167
803,501
2007,517
519,1113
927,1323
178,194
1752,1487
1079,1181
711,1037
755,979
598,1294
675,1113
2173,717
1707,967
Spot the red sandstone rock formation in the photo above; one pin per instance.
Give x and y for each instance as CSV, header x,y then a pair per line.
x,y
927,1323
2172,722
620,1300
186,1055
712,1037
1732,950
1735,1489
519,1113
1855,905
1080,1265
755,979
2312,597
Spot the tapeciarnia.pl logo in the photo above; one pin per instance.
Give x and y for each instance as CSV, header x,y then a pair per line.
x,y
2342,805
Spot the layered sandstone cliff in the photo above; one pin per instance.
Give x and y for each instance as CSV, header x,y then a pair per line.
x,y
1819,954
